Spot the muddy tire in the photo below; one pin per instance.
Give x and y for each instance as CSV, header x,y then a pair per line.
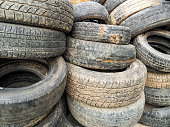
x,y
106,90
90,10
148,55
106,117
148,19
156,116
96,55
157,97
18,41
101,33
27,106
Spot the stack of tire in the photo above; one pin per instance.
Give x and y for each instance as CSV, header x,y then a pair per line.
x,y
105,85
30,86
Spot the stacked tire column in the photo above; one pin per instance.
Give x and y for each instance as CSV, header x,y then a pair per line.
x,y
30,85
105,85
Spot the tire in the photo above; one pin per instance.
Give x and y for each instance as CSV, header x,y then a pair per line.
x,y
27,106
106,117
56,14
90,10
157,97
165,2
148,55
156,116
18,41
101,33
106,89
148,19
95,56
130,7
77,1
99,1
110,5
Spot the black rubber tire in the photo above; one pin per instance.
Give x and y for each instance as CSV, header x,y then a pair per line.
x,y
52,14
155,116
90,31
149,55
106,117
27,106
18,41
110,5
90,10
148,19
96,55
106,89
157,97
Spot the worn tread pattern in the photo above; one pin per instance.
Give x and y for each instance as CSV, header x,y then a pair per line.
x,y
148,19
149,55
156,116
106,90
98,55
90,116
18,41
90,10
157,97
101,33
56,14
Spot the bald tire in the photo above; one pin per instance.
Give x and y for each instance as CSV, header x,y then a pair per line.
x,y
90,116
90,10
18,41
148,19
101,33
106,90
96,55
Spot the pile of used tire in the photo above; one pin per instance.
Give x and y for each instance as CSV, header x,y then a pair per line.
x,y
105,74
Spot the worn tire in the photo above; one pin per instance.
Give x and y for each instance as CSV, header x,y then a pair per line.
x,y
156,116
149,55
157,97
98,55
148,19
90,31
56,14
26,106
106,90
90,10
106,117
18,41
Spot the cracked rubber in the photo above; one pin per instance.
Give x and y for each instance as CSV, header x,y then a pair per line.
x,y
18,41
148,19
26,106
90,10
148,55
157,97
90,31
90,116
106,89
96,55
156,116
52,14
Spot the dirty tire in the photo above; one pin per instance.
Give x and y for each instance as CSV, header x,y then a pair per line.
x,y
157,97
99,1
148,55
56,14
29,104
156,116
157,79
130,7
148,19
90,31
18,41
90,10
106,90
96,55
106,117
110,5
